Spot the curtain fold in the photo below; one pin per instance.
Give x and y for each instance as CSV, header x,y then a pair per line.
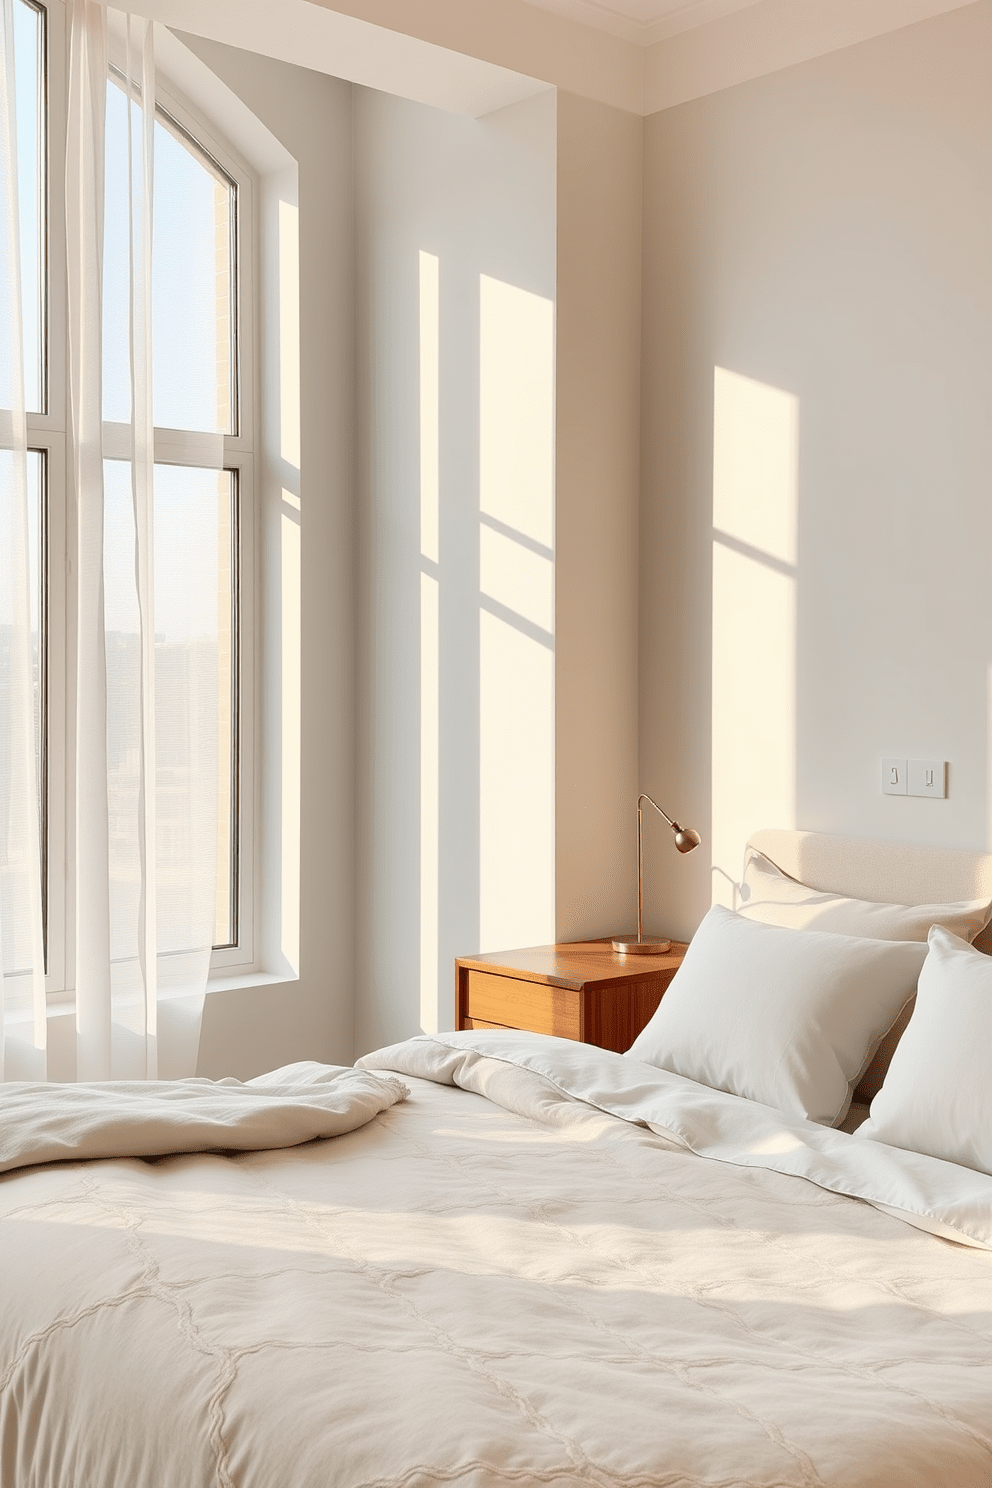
x,y
137,814
139,86
85,185
22,969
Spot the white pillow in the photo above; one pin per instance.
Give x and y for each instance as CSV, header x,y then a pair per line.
x,y
789,1018
773,898
937,1094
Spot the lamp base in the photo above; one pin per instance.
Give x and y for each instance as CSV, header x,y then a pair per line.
x,y
648,945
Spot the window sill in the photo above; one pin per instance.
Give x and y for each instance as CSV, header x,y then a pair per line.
x,y
63,1004
237,980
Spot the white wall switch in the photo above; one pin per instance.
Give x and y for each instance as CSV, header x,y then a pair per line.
x,y
926,777
893,777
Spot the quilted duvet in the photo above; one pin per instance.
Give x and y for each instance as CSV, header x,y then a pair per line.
x,y
498,1285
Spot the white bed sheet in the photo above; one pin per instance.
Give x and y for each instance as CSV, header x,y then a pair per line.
x,y
480,1293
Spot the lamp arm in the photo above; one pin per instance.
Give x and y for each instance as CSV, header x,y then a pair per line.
x,y
640,855
685,840
651,802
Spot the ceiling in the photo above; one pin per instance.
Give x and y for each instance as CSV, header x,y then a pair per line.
x,y
643,21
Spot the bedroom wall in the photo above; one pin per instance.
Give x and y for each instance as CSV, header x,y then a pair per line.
x,y
456,287
498,656
251,1028
816,525
597,499
534,574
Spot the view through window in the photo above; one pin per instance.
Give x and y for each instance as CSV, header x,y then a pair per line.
x,y
202,473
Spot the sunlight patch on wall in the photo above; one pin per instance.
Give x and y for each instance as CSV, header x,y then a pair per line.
x,y
519,578
291,678
430,371
516,794
516,409
289,331
755,550
516,624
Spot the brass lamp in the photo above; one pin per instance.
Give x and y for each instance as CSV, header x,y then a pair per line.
x,y
685,840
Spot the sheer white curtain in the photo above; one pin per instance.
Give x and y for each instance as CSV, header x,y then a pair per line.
x,y
125,968
22,971
144,777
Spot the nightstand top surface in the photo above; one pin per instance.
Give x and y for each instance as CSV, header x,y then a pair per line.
x,y
575,964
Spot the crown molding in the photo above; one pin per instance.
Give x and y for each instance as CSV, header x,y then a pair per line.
x,y
329,40
659,18
694,48
767,37
525,38
475,56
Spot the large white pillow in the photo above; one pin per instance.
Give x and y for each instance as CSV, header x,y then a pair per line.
x,y
790,1018
937,1094
773,898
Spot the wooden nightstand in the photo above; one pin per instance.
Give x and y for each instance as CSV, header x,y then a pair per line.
x,y
583,991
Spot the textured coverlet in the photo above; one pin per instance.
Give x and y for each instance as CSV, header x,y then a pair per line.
x,y
461,1292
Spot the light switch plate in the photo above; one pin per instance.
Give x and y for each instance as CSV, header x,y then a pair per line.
x,y
926,777
894,777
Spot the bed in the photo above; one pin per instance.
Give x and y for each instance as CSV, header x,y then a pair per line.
x,y
545,1264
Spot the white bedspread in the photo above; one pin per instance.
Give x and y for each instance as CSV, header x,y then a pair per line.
x,y
520,1289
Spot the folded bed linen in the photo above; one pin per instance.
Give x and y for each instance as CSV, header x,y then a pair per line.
x,y
42,1123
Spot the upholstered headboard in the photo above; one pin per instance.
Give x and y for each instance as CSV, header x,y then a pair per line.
x,y
887,871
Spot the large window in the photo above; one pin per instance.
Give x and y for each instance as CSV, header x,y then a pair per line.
x,y
203,408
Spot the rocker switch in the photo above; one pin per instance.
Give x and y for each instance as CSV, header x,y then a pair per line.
x,y
894,777
927,778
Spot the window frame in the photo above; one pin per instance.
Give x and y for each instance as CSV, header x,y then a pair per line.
x,y
48,432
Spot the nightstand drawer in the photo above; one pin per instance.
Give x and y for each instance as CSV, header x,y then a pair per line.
x,y
514,1003
581,990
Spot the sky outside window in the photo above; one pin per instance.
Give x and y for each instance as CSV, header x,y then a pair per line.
x,y
28,81
192,280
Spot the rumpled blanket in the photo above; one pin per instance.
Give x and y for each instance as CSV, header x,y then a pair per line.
x,y
42,1123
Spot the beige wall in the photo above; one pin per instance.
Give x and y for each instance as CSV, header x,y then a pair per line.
x,y
598,371
823,237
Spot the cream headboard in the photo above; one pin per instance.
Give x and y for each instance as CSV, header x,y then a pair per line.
x,y
889,871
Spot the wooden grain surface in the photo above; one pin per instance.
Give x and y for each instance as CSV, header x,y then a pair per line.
x,y
574,966
614,1016
583,991
516,1003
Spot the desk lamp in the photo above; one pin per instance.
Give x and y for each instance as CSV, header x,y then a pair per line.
x,y
685,840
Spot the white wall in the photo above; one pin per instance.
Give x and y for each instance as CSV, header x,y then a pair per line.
x,y
456,263
248,1029
533,218
817,385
